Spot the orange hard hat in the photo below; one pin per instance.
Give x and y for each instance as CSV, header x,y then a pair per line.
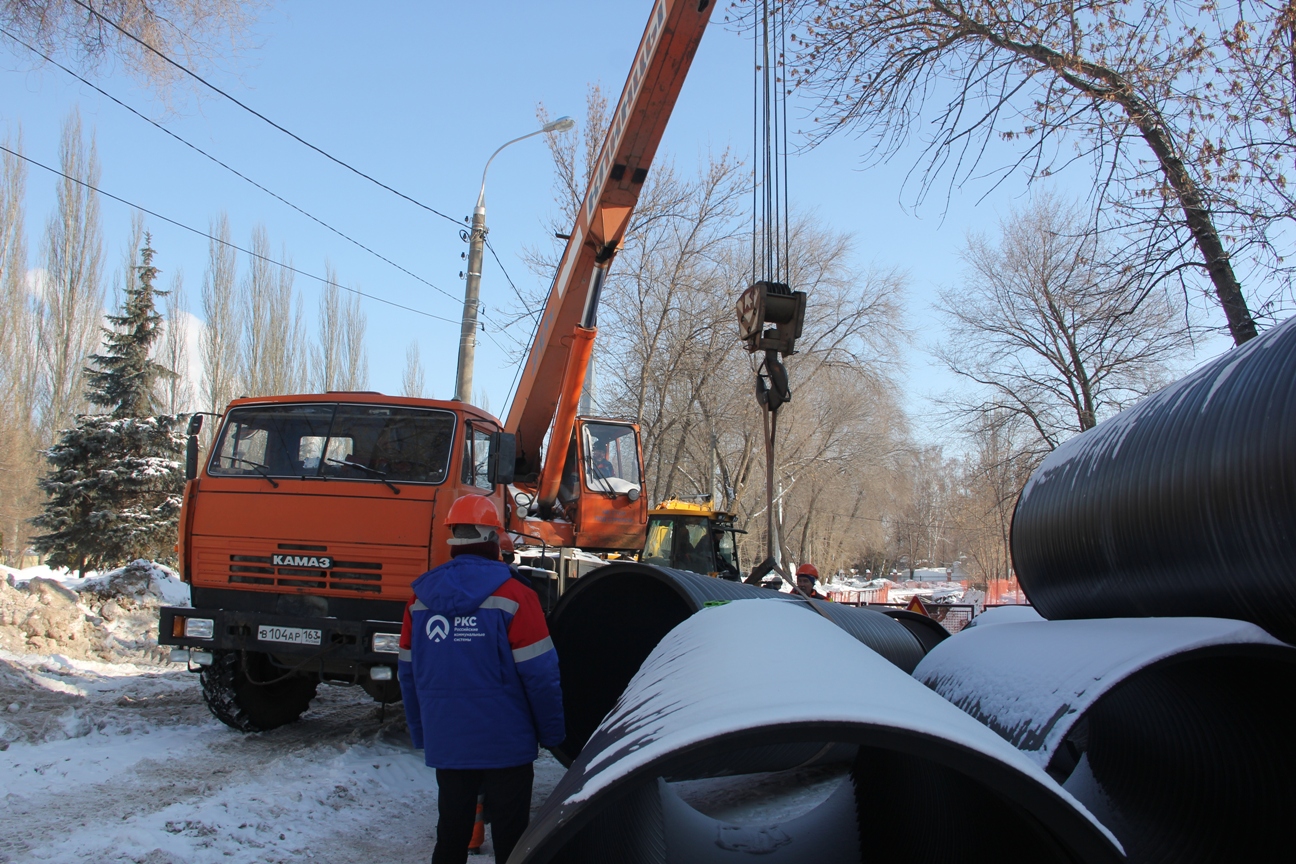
x,y
473,519
474,510
506,543
808,570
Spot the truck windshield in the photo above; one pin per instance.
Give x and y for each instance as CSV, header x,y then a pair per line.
x,y
355,442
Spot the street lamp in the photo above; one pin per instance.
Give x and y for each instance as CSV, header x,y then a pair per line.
x,y
472,284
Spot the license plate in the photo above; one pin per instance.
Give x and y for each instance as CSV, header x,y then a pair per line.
x,y
292,635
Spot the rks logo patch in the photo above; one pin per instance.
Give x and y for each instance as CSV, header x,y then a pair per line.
x,y
438,628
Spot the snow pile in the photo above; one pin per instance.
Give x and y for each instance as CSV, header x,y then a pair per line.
x,y
108,616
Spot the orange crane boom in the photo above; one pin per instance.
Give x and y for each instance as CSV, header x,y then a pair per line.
x,y
554,375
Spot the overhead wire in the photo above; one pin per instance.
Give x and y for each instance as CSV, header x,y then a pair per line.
x,y
229,168
187,71
517,372
530,312
226,243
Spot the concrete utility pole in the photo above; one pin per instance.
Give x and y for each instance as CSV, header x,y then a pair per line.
x,y
472,282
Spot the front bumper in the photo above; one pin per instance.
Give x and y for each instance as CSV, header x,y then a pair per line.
x,y
343,644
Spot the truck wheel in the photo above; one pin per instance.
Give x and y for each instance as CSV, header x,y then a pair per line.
x,y
248,707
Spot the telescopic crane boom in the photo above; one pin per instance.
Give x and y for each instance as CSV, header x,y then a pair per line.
x,y
608,515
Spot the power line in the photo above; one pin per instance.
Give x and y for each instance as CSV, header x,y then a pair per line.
x,y
517,372
229,168
214,239
258,114
516,292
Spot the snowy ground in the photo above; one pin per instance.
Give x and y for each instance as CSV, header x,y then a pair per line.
x,y
108,754
122,763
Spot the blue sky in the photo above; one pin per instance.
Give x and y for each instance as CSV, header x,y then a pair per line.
x,y
419,95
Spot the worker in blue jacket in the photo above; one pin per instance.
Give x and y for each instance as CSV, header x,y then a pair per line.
x,y
481,687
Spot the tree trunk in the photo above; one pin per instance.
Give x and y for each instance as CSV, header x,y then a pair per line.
x,y
1227,288
1104,84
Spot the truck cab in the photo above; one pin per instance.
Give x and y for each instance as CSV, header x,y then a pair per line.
x,y
301,534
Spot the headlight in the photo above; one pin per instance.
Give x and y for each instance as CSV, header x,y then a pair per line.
x,y
386,643
380,673
199,628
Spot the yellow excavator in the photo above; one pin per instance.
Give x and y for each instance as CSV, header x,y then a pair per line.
x,y
693,536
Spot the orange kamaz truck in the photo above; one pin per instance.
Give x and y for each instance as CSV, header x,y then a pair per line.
x,y
311,515
301,534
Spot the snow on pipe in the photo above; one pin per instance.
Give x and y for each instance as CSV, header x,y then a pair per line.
x,y
1172,731
609,621
1180,505
700,695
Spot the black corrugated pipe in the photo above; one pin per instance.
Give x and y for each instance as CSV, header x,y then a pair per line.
x,y
1184,504
608,622
732,679
1172,731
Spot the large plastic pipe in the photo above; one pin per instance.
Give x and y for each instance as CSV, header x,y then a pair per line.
x,y
607,624
714,685
1184,504
1173,732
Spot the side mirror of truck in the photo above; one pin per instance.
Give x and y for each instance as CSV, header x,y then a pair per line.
x,y
191,447
502,459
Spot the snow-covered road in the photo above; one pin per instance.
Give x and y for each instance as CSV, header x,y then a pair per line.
x,y
123,763
108,753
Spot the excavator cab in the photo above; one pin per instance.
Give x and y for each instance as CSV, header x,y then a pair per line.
x,y
694,537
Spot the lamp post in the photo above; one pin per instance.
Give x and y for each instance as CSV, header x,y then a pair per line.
x,y
472,284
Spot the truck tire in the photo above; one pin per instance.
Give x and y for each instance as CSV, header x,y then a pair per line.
x,y
248,707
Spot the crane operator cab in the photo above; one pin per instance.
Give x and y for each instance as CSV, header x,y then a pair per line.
x,y
601,484
694,537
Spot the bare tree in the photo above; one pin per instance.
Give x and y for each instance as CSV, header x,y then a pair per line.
x,y
669,358
1129,84
992,478
72,294
193,32
176,392
256,290
286,348
274,333
19,367
17,319
925,527
327,353
355,357
574,154
223,322
412,380
1048,332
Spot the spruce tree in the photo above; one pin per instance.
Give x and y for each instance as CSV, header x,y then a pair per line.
x,y
125,378
115,481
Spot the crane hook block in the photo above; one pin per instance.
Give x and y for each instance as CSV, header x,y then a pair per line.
x,y
771,303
